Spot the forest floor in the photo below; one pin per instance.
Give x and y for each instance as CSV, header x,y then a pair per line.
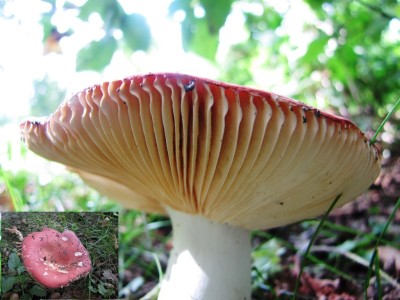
x,y
357,225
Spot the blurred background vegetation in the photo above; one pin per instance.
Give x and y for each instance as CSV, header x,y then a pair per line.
x,y
339,55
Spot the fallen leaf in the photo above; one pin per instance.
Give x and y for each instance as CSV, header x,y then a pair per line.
x,y
109,275
14,230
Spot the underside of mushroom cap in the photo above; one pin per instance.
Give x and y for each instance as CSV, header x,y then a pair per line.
x,y
55,259
232,154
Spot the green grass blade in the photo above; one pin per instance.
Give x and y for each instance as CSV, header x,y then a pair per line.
x,y
375,252
314,236
384,122
330,268
378,276
159,268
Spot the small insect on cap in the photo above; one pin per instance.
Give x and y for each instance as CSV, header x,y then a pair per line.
x,y
55,259
232,154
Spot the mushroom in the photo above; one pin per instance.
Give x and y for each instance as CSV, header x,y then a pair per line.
x,y
219,159
55,259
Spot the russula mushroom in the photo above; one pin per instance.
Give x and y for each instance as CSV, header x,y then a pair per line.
x,y
219,159
55,259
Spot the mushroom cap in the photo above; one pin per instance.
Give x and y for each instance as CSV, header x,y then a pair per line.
x,y
55,259
232,154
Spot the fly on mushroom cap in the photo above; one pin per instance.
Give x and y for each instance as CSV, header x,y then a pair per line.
x,y
55,259
214,156
232,154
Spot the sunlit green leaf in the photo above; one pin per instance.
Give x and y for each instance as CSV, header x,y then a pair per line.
x,y
315,48
202,43
180,5
92,6
97,55
136,32
216,14
201,35
266,258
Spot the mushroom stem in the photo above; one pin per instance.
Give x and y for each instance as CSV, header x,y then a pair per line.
x,y
208,260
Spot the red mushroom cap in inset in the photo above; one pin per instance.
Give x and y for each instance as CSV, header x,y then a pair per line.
x,y
55,259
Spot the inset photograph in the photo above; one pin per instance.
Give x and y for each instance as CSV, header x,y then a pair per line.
x,y
62,255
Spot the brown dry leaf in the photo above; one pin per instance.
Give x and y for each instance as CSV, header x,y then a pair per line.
x,y
324,289
116,244
109,275
14,230
105,222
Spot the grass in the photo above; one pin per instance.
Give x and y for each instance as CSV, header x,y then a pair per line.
x,y
312,240
374,261
144,243
97,231
66,192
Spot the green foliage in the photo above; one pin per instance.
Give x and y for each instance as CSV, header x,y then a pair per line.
x,y
266,259
14,275
142,247
7,283
105,292
28,194
200,34
136,34
109,10
269,19
315,49
14,263
365,61
96,55
216,13
201,42
38,291
351,45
